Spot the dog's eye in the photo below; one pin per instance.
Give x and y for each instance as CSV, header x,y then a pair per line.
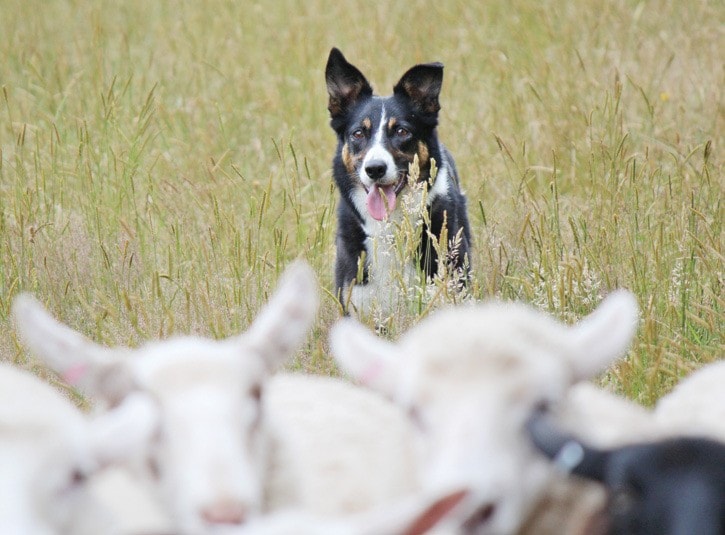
x,y
401,132
357,134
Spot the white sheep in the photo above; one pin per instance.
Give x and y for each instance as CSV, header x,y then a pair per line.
x,y
577,506
235,440
469,377
671,485
335,448
609,422
696,406
605,419
49,450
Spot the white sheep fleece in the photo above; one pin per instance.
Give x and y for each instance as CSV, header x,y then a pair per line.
x,y
575,506
49,451
604,419
336,448
470,376
696,406
209,453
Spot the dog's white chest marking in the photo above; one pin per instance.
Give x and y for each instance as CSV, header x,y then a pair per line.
x,y
389,273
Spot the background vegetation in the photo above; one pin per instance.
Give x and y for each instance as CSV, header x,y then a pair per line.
x,y
161,162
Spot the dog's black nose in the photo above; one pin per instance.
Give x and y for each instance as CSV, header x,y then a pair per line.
x,y
376,169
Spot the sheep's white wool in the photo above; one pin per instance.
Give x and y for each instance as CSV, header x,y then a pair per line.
x,y
48,451
574,506
696,406
604,419
471,376
209,452
337,448
235,440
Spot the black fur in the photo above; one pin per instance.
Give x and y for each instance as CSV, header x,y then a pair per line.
x,y
355,116
672,487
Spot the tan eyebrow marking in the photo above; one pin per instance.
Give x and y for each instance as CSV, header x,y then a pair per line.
x,y
367,123
423,154
347,159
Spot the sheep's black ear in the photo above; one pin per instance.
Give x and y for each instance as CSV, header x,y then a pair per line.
x,y
345,84
567,452
422,85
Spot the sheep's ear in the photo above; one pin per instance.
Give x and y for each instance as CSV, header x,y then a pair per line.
x,y
96,370
569,454
124,431
603,336
345,84
282,325
366,358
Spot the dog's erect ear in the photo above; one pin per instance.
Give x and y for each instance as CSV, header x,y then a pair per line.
x,y
345,84
422,85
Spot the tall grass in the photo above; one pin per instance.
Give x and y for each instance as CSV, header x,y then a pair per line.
x,y
162,162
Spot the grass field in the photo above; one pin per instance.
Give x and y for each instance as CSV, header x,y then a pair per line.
x,y
161,162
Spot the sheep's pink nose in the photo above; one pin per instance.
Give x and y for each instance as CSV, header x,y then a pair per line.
x,y
224,512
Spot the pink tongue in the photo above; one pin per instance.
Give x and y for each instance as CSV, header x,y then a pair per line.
x,y
376,203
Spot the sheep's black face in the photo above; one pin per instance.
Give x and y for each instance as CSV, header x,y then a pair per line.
x,y
674,487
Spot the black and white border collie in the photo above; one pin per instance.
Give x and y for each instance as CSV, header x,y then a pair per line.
x,y
378,138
